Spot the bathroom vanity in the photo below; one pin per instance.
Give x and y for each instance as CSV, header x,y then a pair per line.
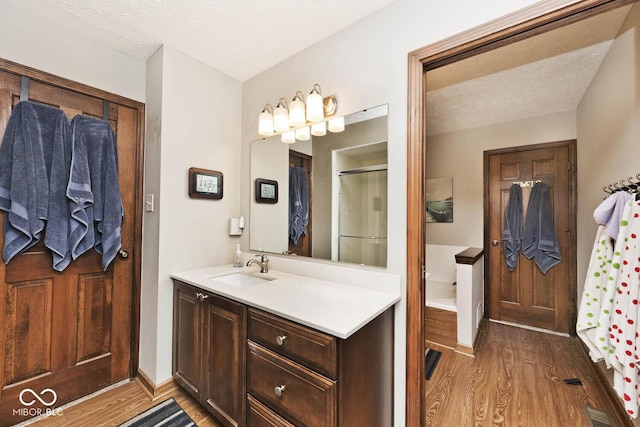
x,y
283,350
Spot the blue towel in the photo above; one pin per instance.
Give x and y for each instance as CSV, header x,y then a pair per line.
x,y
298,203
34,161
94,190
512,232
539,237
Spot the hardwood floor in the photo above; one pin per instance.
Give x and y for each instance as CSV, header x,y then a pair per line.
x,y
516,379
120,404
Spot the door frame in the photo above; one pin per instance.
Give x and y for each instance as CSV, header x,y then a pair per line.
x,y
572,203
535,19
135,254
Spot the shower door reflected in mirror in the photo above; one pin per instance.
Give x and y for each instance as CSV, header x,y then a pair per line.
x,y
363,216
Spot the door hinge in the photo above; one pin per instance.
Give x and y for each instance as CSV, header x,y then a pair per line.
x,y
424,272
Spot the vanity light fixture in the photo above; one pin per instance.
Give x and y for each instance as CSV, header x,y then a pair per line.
x,y
265,121
281,116
297,110
300,119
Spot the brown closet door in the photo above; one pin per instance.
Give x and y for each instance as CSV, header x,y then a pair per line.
x,y
70,331
526,296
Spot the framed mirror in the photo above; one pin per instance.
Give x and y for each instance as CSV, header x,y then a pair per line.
x,y
332,193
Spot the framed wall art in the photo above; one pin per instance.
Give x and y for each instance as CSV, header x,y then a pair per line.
x,y
205,184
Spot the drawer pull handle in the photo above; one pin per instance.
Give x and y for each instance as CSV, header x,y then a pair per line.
x,y
279,390
280,339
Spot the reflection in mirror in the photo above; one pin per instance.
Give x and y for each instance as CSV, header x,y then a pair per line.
x,y
332,193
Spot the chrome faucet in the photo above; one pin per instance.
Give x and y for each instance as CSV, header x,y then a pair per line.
x,y
263,263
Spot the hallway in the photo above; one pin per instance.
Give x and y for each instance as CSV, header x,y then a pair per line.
x,y
516,378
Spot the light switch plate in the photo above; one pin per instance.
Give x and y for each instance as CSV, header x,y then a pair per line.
x,y
148,204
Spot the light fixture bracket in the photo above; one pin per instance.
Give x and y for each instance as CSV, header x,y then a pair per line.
x,y
330,104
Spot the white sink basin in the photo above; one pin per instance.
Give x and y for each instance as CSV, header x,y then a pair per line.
x,y
240,279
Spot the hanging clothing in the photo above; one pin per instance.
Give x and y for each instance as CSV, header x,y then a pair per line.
x,y
624,331
34,169
609,212
93,188
512,232
593,294
539,237
298,203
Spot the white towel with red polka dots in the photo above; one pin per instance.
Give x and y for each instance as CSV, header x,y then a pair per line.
x,y
624,333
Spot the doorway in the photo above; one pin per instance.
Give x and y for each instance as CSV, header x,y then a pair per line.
x,y
523,294
521,25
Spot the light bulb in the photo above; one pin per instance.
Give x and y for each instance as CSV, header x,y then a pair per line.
x,y
288,137
265,121
319,129
315,106
296,110
302,134
281,117
336,125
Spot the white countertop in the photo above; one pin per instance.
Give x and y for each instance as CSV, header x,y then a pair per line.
x,y
334,308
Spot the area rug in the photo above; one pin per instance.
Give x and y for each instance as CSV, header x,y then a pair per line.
x,y
165,414
432,357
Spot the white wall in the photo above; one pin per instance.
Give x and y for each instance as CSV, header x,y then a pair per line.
x,y
366,65
608,135
38,44
460,154
199,127
608,131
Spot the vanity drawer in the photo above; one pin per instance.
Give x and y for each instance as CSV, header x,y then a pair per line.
x,y
307,346
302,396
259,415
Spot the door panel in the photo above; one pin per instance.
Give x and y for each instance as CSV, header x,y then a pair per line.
x,y
526,295
74,331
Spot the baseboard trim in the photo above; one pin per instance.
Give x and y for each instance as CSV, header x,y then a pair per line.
x,y
151,389
620,414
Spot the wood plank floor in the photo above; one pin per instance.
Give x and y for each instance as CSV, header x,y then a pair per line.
x,y
121,404
515,380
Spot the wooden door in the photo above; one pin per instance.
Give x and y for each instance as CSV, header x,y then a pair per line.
x,y
71,332
527,296
303,247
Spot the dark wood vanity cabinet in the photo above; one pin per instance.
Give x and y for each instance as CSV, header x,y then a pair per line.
x,y
250,367
209,351
304,377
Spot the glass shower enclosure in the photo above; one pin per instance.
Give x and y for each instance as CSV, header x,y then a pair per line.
x,y
363,216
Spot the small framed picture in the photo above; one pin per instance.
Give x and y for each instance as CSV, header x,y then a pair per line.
x,y
266,191
205,184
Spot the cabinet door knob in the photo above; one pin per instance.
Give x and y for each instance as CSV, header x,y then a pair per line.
x,y
124,254
280,339
279,390
495,243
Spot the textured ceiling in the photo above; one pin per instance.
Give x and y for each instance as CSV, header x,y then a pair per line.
x,y
545,74
240,38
